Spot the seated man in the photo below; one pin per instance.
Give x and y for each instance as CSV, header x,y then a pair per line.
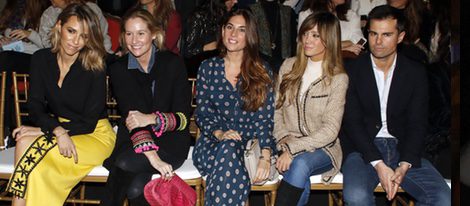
x,y
385,120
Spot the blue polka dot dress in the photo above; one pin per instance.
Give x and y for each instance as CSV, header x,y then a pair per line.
x,y
220,108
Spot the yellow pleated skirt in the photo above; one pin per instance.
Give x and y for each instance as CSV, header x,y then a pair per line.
x,y
44,177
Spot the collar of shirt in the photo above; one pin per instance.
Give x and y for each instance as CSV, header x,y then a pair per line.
x,y
134,64
390,71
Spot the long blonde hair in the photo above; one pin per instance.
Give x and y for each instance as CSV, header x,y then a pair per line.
x,y
92,55
330,34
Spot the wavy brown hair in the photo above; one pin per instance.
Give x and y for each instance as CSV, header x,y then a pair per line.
x,y
255,80
326,6
31,15
93,53
161,12
330,34
147,17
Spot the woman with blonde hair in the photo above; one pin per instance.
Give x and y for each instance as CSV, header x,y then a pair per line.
x,y
154,99
67,103
310,101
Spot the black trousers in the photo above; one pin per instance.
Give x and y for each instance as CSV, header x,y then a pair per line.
x,y
129,174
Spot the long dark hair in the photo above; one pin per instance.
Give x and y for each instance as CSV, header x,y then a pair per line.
x,y
255,80
161,12
31,14
325,6
413,12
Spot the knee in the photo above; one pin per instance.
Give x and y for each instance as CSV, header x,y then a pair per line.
x,y
134,192
25,142
299,167
441,196
357,196
124,164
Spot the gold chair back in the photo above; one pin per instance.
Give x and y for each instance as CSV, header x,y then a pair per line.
x,y
2,108
20,96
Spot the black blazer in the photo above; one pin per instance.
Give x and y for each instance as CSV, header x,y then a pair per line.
x,y
132,90
407,110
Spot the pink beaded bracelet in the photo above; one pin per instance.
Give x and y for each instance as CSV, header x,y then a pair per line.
x,y
162,125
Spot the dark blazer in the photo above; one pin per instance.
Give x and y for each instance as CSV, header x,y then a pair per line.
x,y
407,110
132,90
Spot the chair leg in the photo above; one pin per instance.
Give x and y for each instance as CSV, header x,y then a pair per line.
x,y
273,197
203,189
267,199
198,195
330,199
82,193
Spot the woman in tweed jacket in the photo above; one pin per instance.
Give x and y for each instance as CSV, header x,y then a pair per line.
x,y
309,108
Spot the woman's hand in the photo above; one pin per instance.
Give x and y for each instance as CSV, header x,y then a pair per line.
x,y
5,40
354,48
24,131
67,147
229,134
210,46
264,166
165,169
20,34
137,119
283,162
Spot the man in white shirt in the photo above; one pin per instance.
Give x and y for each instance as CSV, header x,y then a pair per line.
x,y
385,121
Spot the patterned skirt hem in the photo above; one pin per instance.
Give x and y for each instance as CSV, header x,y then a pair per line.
x,y
30,159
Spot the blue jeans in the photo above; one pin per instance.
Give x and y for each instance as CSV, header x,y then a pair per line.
x,y
425,184
302,167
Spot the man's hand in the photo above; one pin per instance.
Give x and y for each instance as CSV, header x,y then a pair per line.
x,y
385,174
398,176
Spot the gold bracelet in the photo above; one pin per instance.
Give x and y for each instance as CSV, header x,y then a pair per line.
x,y
61,134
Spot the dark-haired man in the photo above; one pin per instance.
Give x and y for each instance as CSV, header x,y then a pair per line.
x,y
385,121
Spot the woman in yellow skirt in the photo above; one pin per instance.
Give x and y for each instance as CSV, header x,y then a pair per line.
x,y
67,103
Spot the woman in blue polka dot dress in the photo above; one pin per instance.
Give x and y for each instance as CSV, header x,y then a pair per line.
x,y
235,103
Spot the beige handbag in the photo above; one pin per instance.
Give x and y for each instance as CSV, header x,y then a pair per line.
x,y
252,154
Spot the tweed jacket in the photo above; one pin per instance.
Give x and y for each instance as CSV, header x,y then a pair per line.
x,y
314,121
